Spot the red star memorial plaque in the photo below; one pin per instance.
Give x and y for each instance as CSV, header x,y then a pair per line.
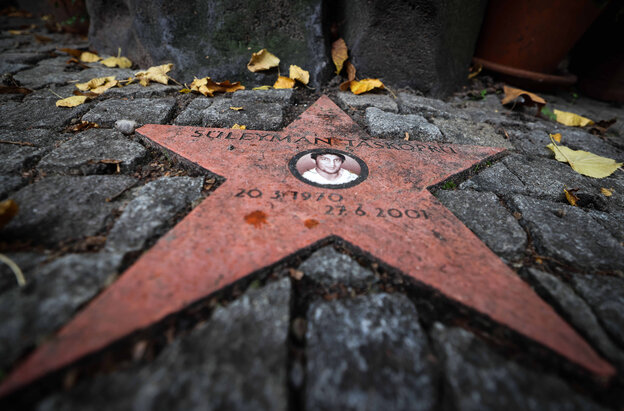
x,y
273,203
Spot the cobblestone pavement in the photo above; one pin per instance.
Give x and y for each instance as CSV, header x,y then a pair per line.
x,y
329,329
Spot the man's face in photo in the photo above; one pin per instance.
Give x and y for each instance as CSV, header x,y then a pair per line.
x,y
329,163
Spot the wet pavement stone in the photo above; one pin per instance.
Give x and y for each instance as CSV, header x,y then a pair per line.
x,y
91,152
280,96
383,124
150,213
329,267
368,352
460,131
427,107
569,235
63,208
193,113
605,295
483,213
237,360
40,113
141,110
55,292
9,184
255,116
359,102
577,311
476,378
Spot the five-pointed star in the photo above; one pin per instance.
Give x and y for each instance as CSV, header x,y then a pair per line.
x,y
263,214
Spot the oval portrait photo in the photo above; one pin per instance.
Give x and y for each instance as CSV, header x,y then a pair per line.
x,y
328,168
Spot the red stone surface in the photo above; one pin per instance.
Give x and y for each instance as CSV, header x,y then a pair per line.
x,y
236,231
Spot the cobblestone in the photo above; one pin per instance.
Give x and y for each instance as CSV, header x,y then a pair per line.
x,y
359,102
141,110
394,126
256,116
328,267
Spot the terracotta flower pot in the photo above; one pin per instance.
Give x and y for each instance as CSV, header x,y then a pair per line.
x,y
533,36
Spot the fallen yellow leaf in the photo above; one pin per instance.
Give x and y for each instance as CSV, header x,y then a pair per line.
x,y
512,94
72,101
571,119
362,86
570,196
156,73
262,60
87,57
8,210
237,127
606,192
474,72
284,82
208,87
584,162
185,90
299,74
339,54
263,88
121,62
236,108
350,71
556,137
98,85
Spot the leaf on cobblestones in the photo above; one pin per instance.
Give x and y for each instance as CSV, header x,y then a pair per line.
x,y
299,74
339,54
263,88
208,87
606,192
284,82
474,71
236,108
72,101
362,86
87,57
42,39
350,71
584,162
121,62
98,85
8,210
262,60
72,52
556,137
14,90
82,126
571,196
513,94
571,119
157,74
185,90
239,127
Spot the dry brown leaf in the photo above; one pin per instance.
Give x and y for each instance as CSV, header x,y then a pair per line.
x,y
511,94
18,32
42,39
121,62
14,90
83,93
571,119
262,60
72,101
284,82
556,137
606,192
474,71
339,54
350,71
72,52
8,210
157,74
98,85
82,126
571,196
88,57
362,86
208,87
299,74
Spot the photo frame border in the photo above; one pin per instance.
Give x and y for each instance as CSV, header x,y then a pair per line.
x,y
292,165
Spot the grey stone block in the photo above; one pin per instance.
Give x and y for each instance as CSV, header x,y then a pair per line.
x,y
380,101
57,290
497,179
256,116
64,208
45,74
394,126
569,235
488,219
577,312
141,110
367,353
26,261
83,154
237,361
614,222
150,212
329,267
40,113
210,39
193,113
460,131
476,378
135,90
281,96
425,44
605,294
427,107
9,184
